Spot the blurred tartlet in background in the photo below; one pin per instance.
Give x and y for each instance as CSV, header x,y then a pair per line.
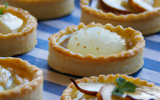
x,y
44,9
141,15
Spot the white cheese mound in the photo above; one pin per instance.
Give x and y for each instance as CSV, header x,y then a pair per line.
x,y
9,23
5,80
96,41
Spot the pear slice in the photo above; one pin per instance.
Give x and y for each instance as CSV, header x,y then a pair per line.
x,y
93,93
142,5
121,5
105,92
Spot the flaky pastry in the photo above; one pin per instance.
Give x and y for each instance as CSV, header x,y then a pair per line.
x,y
66,61
148,22
22,81
22,40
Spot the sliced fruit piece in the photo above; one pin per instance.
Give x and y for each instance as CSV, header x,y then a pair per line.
x,y
121,5
93,93
142,5
105,92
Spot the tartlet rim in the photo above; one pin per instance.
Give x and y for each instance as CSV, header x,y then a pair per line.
x,y
122,55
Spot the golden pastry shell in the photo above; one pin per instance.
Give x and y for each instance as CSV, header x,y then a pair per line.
x,y
69,91
146,22
20,41
89,65
30,91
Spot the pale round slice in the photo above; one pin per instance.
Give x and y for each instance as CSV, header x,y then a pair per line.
x,y
96,41
121,5
142,5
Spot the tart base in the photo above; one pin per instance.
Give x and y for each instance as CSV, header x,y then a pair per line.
x,y
36,94
66,64
45,9
17,45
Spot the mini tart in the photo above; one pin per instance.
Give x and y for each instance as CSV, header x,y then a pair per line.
x,y
147,22
22,40
45,9
33,90
71,90
66,61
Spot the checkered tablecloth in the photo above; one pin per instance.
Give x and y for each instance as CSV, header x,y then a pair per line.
x,y
55,82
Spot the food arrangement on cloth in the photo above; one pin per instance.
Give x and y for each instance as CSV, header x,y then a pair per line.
x,y
104,42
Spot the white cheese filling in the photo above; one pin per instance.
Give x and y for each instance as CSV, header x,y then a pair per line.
x,y
9,23
5,79
9,79
96,41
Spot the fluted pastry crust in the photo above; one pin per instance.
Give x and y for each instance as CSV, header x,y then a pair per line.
x,y
147,22
70,91
127,62
29,91
24,39
45,9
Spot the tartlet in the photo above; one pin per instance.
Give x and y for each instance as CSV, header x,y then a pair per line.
x,y
71,92
27,80
21,40
66,61
45,9
147,22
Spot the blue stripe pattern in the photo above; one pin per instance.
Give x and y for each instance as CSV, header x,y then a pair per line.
x,y
53,88
42,44
152,45
46,28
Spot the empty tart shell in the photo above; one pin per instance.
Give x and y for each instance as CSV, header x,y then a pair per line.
x,y
70,92
21,40
147,22
32,90
66,61
44,9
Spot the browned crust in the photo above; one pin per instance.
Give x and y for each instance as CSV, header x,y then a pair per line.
x,y
31,23
106,79
111,16
37,75
138,41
